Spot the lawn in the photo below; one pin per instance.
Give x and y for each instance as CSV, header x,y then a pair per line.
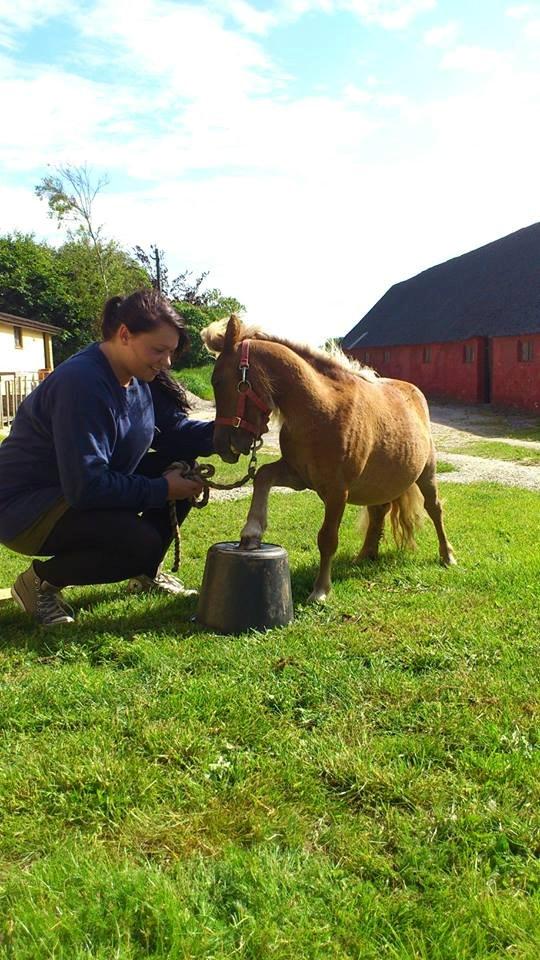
x,y
362,784
495,450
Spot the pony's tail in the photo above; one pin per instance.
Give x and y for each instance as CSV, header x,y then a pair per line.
x,y
407,515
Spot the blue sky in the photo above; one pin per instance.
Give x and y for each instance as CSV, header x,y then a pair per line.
x,y
309,153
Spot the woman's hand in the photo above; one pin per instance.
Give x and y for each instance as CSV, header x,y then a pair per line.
x,y
180,488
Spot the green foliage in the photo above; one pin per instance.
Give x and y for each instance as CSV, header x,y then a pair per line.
x,y
63,286
332,344
199,315
31,283
197,305
76,263
361,784
70,194
198,380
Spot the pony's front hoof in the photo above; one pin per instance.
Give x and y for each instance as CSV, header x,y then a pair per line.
x,y
318,596
449,561
250,543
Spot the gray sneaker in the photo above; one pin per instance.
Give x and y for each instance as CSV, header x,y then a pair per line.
x,y
161,583
40,599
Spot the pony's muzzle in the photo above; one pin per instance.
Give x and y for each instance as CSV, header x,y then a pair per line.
x,y
231,443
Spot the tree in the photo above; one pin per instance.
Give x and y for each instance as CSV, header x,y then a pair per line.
x,y
31,285
155,266
93,267
196,316
59,286
332,344
70,194
197,306
76,264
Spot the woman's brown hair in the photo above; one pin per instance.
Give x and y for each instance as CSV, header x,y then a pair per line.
x,y
142,312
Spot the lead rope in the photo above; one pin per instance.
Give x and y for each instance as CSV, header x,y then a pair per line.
x,y
204,473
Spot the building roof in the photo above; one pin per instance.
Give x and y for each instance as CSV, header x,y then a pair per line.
x,y
29,324
492,291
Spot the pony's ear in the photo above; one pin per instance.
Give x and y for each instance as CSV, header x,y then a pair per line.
x,y
232,333
221,334
213,336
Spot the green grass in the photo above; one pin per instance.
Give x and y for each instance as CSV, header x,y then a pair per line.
x,y
362,784
444,467
505,428
197,379
496,450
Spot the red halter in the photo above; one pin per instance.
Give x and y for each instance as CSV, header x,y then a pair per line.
x,y
245,393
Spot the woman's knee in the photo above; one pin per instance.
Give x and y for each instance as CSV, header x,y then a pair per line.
x,y
143,545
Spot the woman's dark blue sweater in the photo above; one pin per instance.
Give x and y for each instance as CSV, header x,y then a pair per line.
x,y
80,435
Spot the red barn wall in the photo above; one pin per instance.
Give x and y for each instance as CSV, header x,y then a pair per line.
x,y
515,381
458,371
439,369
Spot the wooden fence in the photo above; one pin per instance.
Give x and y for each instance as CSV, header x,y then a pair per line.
x,y
14,387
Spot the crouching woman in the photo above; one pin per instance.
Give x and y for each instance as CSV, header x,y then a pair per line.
x,y
84,478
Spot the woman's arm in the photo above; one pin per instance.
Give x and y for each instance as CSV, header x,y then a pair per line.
x,y
177,436
85,436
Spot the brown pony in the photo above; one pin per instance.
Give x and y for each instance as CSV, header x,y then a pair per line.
x,y
346,433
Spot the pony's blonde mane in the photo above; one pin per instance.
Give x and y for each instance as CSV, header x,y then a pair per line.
x,y
333,362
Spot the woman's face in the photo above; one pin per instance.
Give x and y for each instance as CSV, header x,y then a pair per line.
x,y
145,354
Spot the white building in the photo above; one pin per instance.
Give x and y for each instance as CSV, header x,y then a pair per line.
x,y
26,357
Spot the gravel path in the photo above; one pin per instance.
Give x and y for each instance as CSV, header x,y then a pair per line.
x,y
458,426
452,425
476,469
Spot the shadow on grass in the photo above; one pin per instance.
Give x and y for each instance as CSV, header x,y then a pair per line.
x,y
99,613
105,615
347,566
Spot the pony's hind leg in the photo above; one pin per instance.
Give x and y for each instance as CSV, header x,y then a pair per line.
x,y
374,532
427,483
328,541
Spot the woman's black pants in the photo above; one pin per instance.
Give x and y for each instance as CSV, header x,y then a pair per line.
x,y
106,546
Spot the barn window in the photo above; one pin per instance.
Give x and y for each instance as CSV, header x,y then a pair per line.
x,y
468,353
386,356
525,350
426,356
17,336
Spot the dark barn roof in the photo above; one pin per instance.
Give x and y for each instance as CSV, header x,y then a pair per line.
x,y
492,291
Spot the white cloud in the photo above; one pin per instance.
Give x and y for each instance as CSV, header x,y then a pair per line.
x,y
23,15
21,210
519,12
532,29
186,46
247,16
54,117
306,208
390,14
473,59
442,36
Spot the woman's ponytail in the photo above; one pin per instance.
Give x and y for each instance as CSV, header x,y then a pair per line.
x,y
110,320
